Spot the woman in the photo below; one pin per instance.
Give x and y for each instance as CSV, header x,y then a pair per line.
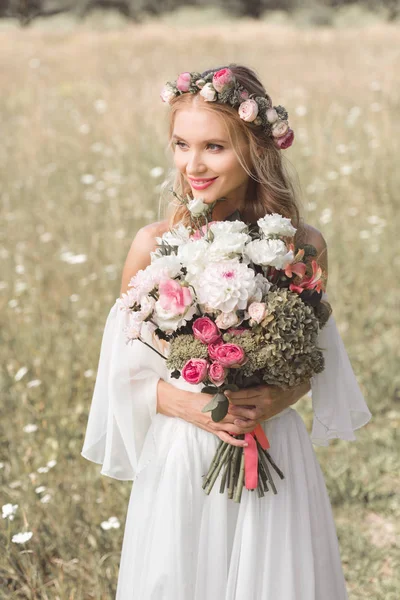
x,y
179,543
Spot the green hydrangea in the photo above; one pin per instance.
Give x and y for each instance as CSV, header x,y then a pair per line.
x,y
182,348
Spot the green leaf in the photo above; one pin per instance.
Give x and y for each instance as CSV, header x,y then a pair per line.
x,y
213,404
210,389
220,411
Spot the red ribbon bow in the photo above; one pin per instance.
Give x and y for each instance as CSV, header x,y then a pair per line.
x,y
251,455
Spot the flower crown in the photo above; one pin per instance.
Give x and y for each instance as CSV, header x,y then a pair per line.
x,y
222,86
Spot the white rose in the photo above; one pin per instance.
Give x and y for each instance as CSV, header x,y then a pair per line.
x,y
267,252
271,115
197,207
277,225
164,267
208,92
279,128
226,320
168,321
257,311
167,93
226,246
193,257
227,227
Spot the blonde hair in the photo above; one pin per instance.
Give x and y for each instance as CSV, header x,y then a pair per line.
x,y
273,185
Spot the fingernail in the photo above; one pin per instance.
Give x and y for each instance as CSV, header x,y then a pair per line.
x,y
246,444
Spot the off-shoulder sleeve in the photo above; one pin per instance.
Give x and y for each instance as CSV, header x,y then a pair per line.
x,y
124,400
338,404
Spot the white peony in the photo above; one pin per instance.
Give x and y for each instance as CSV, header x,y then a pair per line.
x,y
225,286
226,245
197,207
227,227
268,252
277,225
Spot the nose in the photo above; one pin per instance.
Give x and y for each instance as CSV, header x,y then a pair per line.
x,y
195,165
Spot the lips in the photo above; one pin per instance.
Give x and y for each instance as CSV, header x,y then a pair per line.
x,y
201,184
201,180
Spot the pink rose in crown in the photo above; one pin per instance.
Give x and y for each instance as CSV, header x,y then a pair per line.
x,y
244,95
280,128
286,141
230,355
195,370
174,297
248,110
217,373
222,79
183,82
212,348
205,330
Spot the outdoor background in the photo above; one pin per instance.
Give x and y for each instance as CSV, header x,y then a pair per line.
x,y
82,157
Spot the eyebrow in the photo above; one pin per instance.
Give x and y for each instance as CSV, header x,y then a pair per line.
x,y
208,141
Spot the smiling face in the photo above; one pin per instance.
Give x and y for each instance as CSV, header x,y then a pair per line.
x,y
202,151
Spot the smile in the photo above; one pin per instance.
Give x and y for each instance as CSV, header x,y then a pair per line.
x,y
201,184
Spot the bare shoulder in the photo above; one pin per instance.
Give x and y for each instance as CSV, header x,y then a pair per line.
x,y
142,245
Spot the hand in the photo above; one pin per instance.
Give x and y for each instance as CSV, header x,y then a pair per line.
x,y
252,405
191,406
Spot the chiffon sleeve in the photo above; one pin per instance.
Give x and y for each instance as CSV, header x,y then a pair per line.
x,y
338,404
124,400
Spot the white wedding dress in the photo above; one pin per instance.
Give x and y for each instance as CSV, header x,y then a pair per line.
x,y
181,544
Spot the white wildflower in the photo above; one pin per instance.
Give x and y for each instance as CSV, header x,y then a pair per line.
x,y
21,538
20,373
156,172
33,383
30,428
8,511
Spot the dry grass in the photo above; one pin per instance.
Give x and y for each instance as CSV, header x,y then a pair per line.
x,y
82,126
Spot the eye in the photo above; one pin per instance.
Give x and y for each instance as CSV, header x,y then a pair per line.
x,y
216,146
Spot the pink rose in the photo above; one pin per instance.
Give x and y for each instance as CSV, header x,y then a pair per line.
x,y
205,330
248,110
286,141
222,79
217,373
230,355
212,348
225,320
257,311
174,297
183,82
195,370
279,128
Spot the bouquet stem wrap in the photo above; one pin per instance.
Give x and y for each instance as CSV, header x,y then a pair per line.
x,y
251,455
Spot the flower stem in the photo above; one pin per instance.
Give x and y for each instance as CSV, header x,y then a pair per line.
x,y
239,487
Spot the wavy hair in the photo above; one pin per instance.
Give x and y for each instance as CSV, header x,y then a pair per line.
x,y
273,184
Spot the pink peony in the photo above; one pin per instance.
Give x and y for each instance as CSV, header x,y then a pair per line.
x,y
212,348
286,141
205,330
174,297
248,110
222,79
195,370
230,355
257,311
217,373
183,82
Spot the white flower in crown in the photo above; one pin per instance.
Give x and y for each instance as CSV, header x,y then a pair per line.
x,y
167,93
208,92
197,207
275,224
271,115
248,110
272,253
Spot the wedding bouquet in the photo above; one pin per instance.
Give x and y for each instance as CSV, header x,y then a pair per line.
x,y
240,306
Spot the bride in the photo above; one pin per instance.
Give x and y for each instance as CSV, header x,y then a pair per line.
x,y
179,543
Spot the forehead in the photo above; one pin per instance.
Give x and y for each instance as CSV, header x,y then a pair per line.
x,y
197,124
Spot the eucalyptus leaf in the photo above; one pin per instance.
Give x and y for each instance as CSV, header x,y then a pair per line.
x,y
212,405
210,389
220,411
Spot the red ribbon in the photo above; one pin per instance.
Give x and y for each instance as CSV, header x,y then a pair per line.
x,y
251,455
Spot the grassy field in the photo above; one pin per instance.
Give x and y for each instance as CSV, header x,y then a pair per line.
x,y
82,130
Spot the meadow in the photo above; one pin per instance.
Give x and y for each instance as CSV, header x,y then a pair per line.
x,y
82,158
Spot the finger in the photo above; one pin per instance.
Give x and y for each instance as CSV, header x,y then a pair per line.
x,y
244,413
243,394
225,437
